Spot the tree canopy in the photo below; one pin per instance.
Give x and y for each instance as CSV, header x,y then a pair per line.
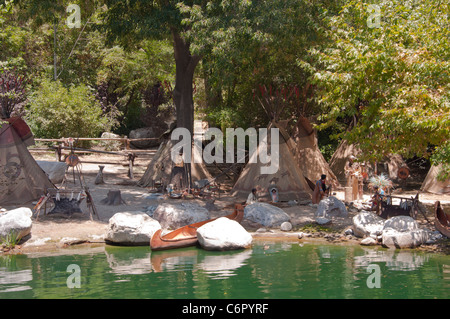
x,y
376,74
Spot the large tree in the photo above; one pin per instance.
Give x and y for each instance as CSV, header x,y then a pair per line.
x,y
384,76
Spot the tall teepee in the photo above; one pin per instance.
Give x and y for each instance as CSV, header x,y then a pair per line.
x,y
21,178
432,185
288,179
308,155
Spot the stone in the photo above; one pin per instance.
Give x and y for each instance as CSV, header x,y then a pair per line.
x,y
368,241
286,226
16,221
174,216
111,145
144,132
401,223
131,228
329,208
392,238
403,232
265,214
367,223
223,234
54,170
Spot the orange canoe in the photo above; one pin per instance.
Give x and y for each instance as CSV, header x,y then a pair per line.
x,y
441,220
187,235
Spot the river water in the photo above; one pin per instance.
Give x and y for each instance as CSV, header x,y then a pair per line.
x,y
268,270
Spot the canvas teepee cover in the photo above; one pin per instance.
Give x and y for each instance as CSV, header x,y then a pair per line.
x,y
432,185
162,168
21,178
288,179
308,155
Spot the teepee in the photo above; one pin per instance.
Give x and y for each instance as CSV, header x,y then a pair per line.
x,y
308,155
432,185
21,178
162,168
288,179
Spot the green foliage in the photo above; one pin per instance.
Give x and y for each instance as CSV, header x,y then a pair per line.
x,y
10,240
389,85
56,111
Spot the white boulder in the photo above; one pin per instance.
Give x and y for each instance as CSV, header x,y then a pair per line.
x,y
265,214
131,228
15,222
223,234
286,226
367,223
174,216
329,208
403,232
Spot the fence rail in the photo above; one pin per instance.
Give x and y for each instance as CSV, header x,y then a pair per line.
x,y
127,152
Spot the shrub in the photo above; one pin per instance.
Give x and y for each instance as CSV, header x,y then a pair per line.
x,y
56,111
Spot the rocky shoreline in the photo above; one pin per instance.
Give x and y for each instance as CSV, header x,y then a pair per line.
x,y
60,233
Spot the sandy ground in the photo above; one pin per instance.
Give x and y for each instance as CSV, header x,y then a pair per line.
x,y
51,232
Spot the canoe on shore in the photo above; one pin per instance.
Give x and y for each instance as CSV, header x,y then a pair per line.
x,y
441,220
187,235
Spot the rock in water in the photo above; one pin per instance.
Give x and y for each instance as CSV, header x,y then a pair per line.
x,y
403,232
265,214
131,228
223,234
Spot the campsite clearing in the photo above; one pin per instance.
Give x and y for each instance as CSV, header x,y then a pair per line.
x,y
54,232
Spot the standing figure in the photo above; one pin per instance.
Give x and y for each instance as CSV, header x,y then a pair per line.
x,y
320,190
354,177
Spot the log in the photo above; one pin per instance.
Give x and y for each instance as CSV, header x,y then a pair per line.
x,y
113,198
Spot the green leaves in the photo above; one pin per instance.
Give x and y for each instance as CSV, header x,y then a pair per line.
x,y
390,82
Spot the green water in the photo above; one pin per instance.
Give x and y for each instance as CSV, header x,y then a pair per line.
x,y
268,270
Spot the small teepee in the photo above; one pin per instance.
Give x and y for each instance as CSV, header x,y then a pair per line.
x,y
21,178
162,168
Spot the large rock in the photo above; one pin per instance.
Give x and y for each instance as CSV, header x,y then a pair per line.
x,y
131,228
401,224
403,232
111,145
265,214
145,132
174,216
223,234
367,223
404,239
329,208
16,222
54,170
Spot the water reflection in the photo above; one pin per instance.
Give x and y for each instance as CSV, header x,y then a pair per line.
x,y
224,265
11,281
398,260
267,270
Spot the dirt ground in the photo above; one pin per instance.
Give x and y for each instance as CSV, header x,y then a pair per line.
x,y
55,232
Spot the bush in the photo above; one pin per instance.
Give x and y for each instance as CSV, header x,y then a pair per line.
x,y
56,111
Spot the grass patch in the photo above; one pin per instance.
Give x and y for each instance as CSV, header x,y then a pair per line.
x,y
313,228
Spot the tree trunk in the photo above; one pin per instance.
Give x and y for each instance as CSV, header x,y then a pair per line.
x,y
183,91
